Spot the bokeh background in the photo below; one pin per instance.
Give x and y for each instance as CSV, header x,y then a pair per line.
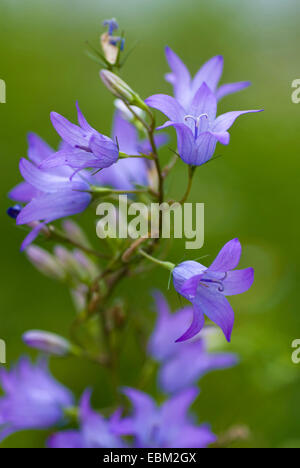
x,y
251,192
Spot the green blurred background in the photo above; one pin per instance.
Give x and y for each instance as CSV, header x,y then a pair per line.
x,y
251,192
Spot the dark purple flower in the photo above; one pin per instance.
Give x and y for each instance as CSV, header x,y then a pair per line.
x,y
198,130
33,399
95,431
84,146
128,172
189,360
206,288
167,426
210,73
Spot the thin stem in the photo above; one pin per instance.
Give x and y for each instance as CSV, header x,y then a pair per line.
x,y
141,155
191,170
168,265
58,235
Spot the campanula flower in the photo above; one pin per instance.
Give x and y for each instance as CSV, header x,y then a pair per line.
x,y
94,432
189,360
210,73
198,130
128,172
167,426
49,193
207,288
84,146
58,196
32,399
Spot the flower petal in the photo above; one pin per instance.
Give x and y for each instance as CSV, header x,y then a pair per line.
x,y
225,121
66,439
210,73
51,206
228,258
231,88
184,271
82,120
180,77
168,106
31,236
216,307
126,135
38,149
23,192
238,281
105,149
204,102
186,143
196,326
205,147
70,133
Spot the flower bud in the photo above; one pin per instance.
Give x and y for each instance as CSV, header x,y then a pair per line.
x,y
117,86
75,233
47,342
45,262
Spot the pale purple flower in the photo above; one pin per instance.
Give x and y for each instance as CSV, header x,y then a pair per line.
x,y
128,172
197,127
189,360
50,194
84,146
207,288
167,426
210,73
95,431
32,399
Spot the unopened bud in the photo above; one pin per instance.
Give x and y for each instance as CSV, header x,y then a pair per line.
x,y
45,262
75,233
117,86
47,342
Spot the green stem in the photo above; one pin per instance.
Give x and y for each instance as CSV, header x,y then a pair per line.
x,y
168,265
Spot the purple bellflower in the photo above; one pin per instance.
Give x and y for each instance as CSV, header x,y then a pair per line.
x,y
84,146
189,360
95,431
207,288
128,172
210,73
198,130
167,426
33,399
50,194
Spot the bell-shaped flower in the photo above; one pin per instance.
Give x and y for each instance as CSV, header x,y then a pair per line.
x,y
32,398
210,73
95,431
84,146
197,127
189,360
167,426
207,288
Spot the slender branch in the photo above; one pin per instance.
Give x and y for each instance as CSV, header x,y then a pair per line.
x,y
58,235
191,170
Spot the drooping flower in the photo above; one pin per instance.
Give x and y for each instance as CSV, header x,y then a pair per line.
x,y
84,146
33,399
189,360
128,172
58,196
50,194
210,73
198,130
207,288
95,431
167,426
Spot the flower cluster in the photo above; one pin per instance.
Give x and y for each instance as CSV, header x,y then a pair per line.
x,y
58,184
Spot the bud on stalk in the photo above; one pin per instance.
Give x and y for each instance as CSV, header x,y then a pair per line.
x,y
121,90
47,342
